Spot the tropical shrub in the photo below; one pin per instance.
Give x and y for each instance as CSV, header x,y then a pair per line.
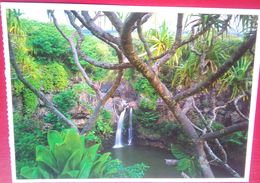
x,y
55,77
67,157
46,41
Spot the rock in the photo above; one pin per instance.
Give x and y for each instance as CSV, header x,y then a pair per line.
x,y
80,122
172,162
235,117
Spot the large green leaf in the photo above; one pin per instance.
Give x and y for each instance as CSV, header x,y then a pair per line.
x,y
44,156
91,152
54,138
70,174
30,173
44,173
72,142
99,165
74,161
86,167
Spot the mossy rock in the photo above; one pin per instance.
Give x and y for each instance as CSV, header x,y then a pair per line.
x,y
148,134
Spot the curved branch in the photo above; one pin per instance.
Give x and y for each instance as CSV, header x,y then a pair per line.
x,y
94,116
225,131
141,36
216,159
103,64
87,21
117,23
75,57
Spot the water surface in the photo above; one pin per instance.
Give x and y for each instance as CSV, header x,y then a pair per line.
x,y
153,157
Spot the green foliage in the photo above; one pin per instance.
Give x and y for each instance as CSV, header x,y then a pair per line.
x,y
135,171
64,101
217,126
28,135
149,95
83,87
186,72
55,77
161,39
46,41
149,120
186,163
96,49
67,157
237,138
93,137
30,101
237,78
103,129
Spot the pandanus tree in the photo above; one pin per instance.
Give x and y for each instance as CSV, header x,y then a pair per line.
x,y
205,33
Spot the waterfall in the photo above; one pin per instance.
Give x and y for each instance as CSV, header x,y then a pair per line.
x,y
130,129
119,131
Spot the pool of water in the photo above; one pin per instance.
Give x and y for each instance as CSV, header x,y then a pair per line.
x,y
153,157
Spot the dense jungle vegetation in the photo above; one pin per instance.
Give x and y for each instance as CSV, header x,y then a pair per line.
x,y
189,89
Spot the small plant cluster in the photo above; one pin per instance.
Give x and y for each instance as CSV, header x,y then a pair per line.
x,y
186,163
148,94
27,134
103,129
64,101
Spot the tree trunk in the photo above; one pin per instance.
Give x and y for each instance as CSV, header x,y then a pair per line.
x,y
165,94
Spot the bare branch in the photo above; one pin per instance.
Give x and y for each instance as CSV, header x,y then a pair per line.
x,y
88,22
104,65
101,102
75,57
141,36
217,160
225,131
208,127
117,23
237,108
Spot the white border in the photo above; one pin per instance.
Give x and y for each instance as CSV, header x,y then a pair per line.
x,y
6,5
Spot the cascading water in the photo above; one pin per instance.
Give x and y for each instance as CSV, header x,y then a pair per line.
x,y
130,129
119,131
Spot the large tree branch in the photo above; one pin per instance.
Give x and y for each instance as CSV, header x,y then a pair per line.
x,y
87,21
217,160
104,65
91,122
38,93
223,69
116,22
101,64
225,131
